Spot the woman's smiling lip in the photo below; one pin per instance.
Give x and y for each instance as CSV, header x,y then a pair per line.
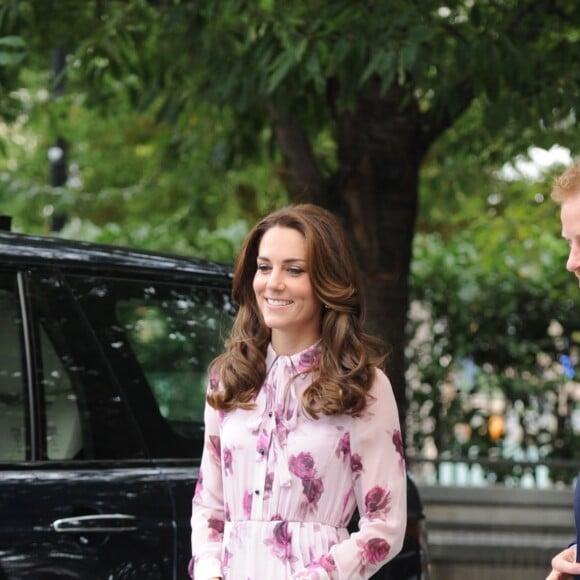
x,y
277,302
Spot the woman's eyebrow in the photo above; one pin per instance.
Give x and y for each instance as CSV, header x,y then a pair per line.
x,y
285,261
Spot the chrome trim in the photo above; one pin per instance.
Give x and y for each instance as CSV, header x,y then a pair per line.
x,y
96,524
20,281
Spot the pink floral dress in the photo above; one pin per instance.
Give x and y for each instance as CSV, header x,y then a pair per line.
x,y
277,488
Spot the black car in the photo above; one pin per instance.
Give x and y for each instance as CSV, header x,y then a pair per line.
x,y
103,358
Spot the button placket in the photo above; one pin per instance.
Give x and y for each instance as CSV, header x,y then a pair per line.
x,y
261,471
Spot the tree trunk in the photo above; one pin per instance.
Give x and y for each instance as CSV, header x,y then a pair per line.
x,y
375,192
379,159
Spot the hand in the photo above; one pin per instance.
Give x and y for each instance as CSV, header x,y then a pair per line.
x,y
564,565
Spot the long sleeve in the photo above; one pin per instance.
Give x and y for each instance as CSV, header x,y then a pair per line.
x,y
207,518
379,484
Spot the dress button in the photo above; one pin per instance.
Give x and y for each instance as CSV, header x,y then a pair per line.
x,y
262,451
257,492
270,414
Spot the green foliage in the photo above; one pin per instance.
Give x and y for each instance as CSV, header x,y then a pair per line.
x,y
149,164
152,90
493,312
239,55
132,180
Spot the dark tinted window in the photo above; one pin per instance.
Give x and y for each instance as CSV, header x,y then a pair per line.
x,y
63,435
14,438
160,338
82,413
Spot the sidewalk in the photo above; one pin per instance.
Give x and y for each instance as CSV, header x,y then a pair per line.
x,y
491,572
497,532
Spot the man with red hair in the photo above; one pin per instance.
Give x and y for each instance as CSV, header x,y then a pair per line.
x,y
566,193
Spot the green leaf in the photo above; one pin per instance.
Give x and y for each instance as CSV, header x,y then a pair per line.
x,y
12,42
281,67
382,63
11,59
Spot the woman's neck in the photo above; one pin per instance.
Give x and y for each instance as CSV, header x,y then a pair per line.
x,y
287,346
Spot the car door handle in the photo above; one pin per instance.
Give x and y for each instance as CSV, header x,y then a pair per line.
x,y
96,523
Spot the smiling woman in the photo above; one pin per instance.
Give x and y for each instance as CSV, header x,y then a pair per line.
x,y
301,425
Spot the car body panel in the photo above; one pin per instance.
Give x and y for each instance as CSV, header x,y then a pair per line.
x,y
119,521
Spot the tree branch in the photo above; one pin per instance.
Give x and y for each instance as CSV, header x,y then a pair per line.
x,y
303,177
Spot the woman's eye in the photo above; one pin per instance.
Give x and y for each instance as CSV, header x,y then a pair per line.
x,y
295,271
263,267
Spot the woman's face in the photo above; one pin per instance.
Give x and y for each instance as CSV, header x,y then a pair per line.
x,y
284,292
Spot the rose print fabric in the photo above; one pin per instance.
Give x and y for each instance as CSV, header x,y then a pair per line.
x,y
277,488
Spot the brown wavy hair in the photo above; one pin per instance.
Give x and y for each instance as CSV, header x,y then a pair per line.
x,y
348,355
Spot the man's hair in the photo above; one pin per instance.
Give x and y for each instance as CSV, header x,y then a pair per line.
x,y
567,184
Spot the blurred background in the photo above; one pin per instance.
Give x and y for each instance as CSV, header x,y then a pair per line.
x,y
432,129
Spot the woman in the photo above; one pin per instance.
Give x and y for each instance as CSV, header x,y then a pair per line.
x,y
301,425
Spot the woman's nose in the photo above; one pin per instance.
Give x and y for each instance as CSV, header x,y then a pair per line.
x,y
275,280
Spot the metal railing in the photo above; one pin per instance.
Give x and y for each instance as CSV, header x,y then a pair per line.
x,y
483,471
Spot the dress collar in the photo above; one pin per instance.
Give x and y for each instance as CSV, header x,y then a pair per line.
x,y
302,361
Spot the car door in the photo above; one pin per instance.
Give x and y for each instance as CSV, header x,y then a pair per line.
x,y
160,336
79,496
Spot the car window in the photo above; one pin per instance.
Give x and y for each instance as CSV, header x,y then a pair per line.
x,y
159,338
63,425
173,338
84,415
13,395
